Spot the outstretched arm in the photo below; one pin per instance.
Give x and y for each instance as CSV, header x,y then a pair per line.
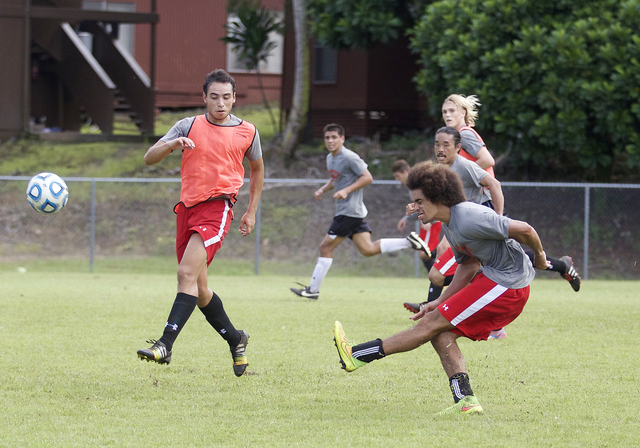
x,y
256,181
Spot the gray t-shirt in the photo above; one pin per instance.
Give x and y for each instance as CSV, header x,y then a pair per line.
x,y
471,175
182,127
470,143
345,168
479,232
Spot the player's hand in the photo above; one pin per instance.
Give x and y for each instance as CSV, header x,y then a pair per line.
x,y
424,310
318,194
247,223
402,224
540,261
342,194
182,143
411,208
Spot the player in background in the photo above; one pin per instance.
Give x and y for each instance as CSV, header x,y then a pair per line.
x,y
213,147
475,182
474,303
429,233
348,176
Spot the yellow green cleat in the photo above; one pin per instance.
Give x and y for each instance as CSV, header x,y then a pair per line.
x,y
469,405
349,363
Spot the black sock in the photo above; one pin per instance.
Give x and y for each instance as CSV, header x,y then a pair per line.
x,y
182,308
428,263
460,386
556,265
447,280
369,351
217,317
434,292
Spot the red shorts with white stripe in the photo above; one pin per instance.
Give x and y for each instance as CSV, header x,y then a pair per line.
x,y
431,236
446,264
211,219
483,306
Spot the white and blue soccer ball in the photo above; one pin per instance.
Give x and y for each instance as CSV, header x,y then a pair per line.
x,y
47,193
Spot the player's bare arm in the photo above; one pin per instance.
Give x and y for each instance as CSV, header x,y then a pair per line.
x,y
463,276
485,159
256,181
525,234
161,149
365,179
496,192
320,191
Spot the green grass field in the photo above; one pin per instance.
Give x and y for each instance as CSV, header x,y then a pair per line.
x,y
567,375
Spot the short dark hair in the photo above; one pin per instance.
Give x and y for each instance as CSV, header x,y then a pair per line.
x,y
218,75
451,131
333,127
438,183
400,165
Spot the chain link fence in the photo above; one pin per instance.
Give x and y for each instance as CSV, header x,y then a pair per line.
x,y
598,225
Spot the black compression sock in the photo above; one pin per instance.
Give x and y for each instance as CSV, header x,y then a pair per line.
x,y
460,386
369,351
217,317
434,292
183,306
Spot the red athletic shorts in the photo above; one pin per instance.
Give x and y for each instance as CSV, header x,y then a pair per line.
x,y
446,264
431,236
482,306
211,219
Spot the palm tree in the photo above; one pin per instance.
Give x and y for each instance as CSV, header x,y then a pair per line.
x,y
248,35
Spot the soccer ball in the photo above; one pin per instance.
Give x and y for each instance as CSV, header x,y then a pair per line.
x,y
47,193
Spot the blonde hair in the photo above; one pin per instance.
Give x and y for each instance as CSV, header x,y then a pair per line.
x,y
469,103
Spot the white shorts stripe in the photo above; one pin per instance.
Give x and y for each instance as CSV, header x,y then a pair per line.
x,y
445,267
476,306
223,224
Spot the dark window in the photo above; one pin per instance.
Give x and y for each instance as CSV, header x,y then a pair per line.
x,y
326,70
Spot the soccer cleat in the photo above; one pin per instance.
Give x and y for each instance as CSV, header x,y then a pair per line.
x,y
418,244
349,363
468,405
571,275
305,292
157,352
238,354
498,334
414,307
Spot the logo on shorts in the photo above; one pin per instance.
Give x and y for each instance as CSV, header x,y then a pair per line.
x,y
204,229
445,307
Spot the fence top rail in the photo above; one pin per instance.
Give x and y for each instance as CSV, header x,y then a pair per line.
x,y
317,181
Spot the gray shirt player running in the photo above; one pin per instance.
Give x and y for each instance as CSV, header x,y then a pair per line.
x,y
348,176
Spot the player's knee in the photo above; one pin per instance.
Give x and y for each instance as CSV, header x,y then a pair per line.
x,y
436,277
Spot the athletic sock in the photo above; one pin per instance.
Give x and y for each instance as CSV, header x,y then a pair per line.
x,y
460,386
447,280
434,292
319,273
369,351
556,265
183,306
393,244
217,317
428,263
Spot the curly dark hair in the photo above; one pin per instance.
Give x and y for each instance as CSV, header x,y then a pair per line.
x,y
218,75
437,182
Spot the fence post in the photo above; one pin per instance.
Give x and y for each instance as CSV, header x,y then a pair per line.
x,y
587,206
257,229
93,224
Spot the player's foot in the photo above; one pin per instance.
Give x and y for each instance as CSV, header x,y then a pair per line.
x,y
349,363
418,244
157,352
571,275
305,292
414,307
238,354
468,405
498,334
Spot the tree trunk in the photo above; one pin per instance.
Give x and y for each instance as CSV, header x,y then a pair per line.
x,y
264,100
297,118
